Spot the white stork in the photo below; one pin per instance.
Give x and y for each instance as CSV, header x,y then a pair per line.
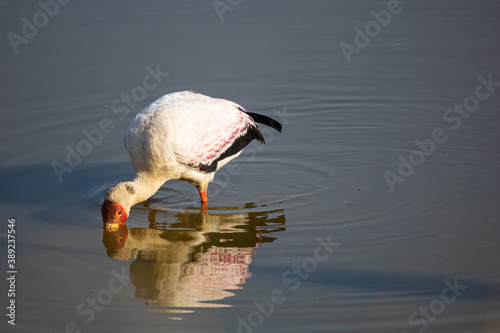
x,y
182,135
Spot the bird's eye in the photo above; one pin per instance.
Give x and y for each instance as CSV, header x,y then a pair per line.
x,y
119,213
120,239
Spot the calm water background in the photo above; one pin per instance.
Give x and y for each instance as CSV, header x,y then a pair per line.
x,y
393,253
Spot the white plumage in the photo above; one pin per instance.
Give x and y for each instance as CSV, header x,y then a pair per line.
x,y
184,129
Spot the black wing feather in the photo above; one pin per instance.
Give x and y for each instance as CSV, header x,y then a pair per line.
x,y
241,142
238,144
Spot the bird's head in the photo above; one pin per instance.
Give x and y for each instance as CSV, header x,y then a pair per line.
x,y
117,202
113,214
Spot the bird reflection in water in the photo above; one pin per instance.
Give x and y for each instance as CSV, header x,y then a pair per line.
x,y
195,260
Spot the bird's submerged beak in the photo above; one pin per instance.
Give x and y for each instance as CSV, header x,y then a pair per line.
x,y
113,215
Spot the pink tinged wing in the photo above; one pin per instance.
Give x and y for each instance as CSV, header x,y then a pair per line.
x,y
208,128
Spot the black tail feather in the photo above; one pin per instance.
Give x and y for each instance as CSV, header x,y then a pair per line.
x,y
266,121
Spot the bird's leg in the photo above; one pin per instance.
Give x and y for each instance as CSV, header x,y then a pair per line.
x,y
202,188
204,200
203,196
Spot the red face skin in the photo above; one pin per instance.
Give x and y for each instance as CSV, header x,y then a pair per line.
x,y
113,213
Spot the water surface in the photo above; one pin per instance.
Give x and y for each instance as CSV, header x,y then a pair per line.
x,y
301,234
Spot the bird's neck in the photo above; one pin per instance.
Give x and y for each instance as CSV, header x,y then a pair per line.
x,y
133,192
145,186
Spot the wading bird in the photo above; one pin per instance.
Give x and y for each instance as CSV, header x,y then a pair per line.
x,y
182,135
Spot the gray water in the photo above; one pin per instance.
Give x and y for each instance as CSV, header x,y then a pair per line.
x,y
338,224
